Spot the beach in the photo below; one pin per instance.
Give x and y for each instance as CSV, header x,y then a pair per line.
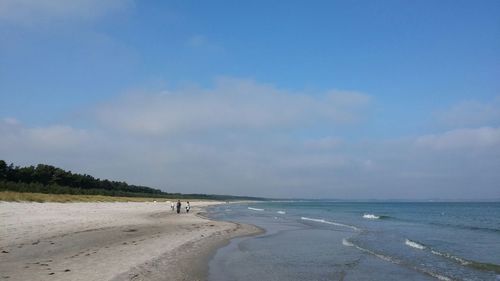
x,y
109,241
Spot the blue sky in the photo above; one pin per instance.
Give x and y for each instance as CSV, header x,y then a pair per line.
x,y
258,97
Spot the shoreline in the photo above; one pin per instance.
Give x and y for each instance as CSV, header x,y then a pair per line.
x,y
110,241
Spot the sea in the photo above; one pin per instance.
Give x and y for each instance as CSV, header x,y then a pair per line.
x,y
327,240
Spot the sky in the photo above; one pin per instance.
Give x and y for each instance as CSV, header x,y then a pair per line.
x,y
286,99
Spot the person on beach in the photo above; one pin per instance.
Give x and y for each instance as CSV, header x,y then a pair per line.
x,y
188,207
172,206
178,206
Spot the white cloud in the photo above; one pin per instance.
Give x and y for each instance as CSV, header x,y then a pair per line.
x,y
57,137
324,143
11,121
234,138
269,164
232,104
461,138
33,12
472,114
242,137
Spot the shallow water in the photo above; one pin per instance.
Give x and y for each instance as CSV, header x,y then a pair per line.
x,y
361,241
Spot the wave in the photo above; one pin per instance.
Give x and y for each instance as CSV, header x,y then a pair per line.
x,y
483,266
462,261
435,275
414,244
347,243
371,217
374,217
450,225
451,257
281,212
255,209
481,228
467,227
330,222
438,276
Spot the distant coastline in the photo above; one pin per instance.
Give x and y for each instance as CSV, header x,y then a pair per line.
x,y
48,179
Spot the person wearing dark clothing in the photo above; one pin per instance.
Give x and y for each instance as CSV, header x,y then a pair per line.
x,y
178,206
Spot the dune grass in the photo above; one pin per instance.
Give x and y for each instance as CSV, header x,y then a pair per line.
x,y
66,198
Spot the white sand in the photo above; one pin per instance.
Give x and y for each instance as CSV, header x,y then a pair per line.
x,y
105,241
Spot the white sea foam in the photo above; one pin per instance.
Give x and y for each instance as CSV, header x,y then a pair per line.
x,y
346,242
435,275
437,253
330,222
414,244
446,255
281,212
371,217
255,209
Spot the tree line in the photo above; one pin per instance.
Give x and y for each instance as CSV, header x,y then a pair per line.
x,y
53,180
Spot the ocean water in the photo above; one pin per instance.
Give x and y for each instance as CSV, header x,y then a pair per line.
x,y
361,241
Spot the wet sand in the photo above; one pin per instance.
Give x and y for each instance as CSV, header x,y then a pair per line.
x,y
109,241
